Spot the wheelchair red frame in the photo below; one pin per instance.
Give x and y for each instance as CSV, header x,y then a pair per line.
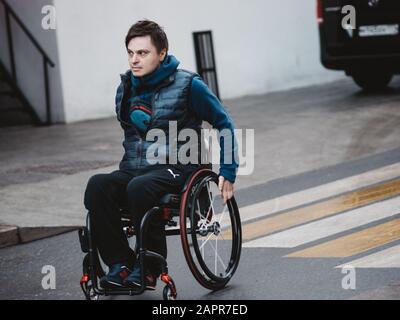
x,y
194,222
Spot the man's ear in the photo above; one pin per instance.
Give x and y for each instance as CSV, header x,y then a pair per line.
x,y
163,53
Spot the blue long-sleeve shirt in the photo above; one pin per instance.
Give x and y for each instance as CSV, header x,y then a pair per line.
x,y
207,107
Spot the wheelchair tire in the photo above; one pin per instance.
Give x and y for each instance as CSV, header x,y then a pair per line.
x,y
100,267
167,293
201,222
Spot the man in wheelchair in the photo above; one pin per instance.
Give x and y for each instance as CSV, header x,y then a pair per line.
x,y
152,93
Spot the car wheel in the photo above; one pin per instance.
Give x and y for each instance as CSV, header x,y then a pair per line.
x,y
372,80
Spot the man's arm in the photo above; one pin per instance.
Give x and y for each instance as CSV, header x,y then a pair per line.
x,y
207,107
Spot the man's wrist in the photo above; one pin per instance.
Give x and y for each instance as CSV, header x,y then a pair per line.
x,y
230,177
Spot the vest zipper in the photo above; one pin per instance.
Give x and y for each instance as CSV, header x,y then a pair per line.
x,y
156,94
140,151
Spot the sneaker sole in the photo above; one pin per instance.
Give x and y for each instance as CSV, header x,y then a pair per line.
x,y
110,285
132,284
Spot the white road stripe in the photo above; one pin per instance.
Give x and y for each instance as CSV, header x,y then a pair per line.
x,y
388,258
329,226
303,197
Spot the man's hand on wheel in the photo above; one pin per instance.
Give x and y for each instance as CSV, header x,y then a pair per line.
x,y
226,188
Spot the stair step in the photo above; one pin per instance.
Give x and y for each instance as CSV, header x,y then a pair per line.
x,y
15,118
9,101
9,93
12,109
5,86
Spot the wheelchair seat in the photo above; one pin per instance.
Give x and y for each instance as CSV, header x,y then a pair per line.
x,y
169,200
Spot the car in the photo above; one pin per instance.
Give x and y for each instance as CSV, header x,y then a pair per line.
x,y
367,50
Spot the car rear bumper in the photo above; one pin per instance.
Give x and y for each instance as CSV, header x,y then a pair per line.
x,y
388,61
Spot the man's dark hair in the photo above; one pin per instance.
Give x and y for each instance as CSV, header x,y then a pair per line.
x,y
148,28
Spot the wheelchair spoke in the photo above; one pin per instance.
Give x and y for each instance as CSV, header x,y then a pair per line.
x,y
210,197
219,258
215,249
201,225
218,216
221,236
223,212
202,250
199,209
203,242
216,253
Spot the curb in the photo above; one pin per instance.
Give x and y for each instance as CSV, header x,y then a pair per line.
x,y
14,235
9,236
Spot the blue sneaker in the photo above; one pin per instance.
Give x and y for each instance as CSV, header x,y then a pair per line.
x,y
115,277
134,280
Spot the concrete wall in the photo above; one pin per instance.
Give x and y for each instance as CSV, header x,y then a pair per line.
x,y
91,47
28,60
260,45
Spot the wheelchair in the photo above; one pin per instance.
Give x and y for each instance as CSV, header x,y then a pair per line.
x,y
210,233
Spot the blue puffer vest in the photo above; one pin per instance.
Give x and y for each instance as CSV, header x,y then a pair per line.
x,y
170,103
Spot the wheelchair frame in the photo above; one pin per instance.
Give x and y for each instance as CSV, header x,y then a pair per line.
x,y
171,205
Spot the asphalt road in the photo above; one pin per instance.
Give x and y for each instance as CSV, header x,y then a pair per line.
x,y
327,195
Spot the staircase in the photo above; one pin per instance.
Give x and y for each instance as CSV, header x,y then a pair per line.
x,y
15,108
13,112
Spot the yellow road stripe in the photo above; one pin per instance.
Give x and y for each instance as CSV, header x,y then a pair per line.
x,y
320,210
354,243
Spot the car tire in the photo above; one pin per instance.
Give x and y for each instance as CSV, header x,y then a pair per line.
x,y
372,80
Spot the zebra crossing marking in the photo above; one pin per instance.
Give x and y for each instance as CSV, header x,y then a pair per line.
x,y
320,210
327,227
354,243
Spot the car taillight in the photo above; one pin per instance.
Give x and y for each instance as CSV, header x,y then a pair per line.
x,y
320,17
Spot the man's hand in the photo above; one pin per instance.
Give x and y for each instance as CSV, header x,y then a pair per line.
x,y
226,188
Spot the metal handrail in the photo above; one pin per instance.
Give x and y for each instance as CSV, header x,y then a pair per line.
x,y
46,60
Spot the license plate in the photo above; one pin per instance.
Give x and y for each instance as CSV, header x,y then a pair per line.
x,y
378,30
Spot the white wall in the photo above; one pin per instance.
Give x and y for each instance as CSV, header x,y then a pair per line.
x,y
28,60
260,45
91,47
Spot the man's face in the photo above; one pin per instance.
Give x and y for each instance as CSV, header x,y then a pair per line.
x,y
143,57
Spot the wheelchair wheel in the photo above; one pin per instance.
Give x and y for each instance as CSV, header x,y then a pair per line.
x,y
87,281
210,231
168,294
91,294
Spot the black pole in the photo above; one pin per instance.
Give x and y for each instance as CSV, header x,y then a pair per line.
x,y
214,65
47,91
10,45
